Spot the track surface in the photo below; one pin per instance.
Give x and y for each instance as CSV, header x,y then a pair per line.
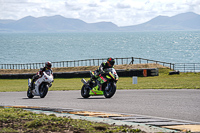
x,y
179,104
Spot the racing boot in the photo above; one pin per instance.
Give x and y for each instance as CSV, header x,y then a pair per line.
x,y
90,81
31,86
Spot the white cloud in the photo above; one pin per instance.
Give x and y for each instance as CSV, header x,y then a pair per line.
x,y
120,12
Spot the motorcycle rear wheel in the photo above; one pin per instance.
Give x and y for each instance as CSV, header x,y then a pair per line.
x,y
43,90
111,91
85,91
29,94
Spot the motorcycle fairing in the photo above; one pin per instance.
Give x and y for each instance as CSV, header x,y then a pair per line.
x,y
39,82
96,92
102,80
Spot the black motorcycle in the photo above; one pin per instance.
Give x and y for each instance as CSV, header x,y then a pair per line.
x,y
105,84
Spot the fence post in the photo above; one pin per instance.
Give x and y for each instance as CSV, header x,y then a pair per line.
x,y
184,67
132,60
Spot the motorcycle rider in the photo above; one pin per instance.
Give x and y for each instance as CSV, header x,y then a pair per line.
x,y
40,72
108,64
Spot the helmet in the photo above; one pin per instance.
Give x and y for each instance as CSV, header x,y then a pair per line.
x,y
111,61
48,65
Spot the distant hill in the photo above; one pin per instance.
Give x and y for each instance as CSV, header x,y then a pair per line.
x,y
53,24
184,21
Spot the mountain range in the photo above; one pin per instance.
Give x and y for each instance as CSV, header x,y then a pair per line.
x,y
57,23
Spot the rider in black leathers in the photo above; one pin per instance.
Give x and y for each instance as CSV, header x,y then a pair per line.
x,y
40,72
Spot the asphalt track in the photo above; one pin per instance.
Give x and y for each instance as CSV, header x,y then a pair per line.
x,y
181,104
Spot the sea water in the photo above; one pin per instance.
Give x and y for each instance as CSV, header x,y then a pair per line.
x,y
168,46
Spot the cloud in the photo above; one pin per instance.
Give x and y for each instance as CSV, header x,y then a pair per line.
x,y
122,6
93,5
72,7
120,12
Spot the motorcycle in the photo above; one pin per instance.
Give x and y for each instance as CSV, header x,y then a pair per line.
x,y
41,85
104,84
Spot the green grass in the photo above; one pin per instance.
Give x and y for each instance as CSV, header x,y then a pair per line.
x,y
18,120
163,81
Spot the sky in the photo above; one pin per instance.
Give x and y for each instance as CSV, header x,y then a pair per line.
x,y
119,12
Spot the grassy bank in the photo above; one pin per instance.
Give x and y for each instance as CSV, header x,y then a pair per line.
x,y
18,120
163,81
81,68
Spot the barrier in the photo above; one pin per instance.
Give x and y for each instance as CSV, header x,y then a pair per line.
x,y
86,62
182,67
85,74
187,67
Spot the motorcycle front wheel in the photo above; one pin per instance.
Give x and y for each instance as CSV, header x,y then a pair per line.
x,y
85,92
110,91
29,94
43,90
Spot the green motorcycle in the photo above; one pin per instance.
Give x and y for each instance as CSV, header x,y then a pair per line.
x,y
104,84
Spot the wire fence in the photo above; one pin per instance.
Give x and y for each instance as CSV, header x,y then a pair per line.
x,y
183,67
187,67
86,62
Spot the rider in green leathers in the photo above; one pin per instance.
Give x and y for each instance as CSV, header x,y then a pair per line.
x,y
108,64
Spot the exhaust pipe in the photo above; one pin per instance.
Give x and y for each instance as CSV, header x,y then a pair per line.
x,y
83,81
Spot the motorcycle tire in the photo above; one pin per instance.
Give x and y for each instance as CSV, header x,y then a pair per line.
x,y
111,91
43,90
85,92
29,94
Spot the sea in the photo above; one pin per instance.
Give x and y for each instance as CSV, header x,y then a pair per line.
x,y
166,46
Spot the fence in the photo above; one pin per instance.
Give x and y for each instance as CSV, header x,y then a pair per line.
x,y
87,62
182,67
187,67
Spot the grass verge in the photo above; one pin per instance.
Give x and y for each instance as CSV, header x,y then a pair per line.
x,y
18,120
163,81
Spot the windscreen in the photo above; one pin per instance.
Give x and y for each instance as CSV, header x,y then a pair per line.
x,y
48,72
